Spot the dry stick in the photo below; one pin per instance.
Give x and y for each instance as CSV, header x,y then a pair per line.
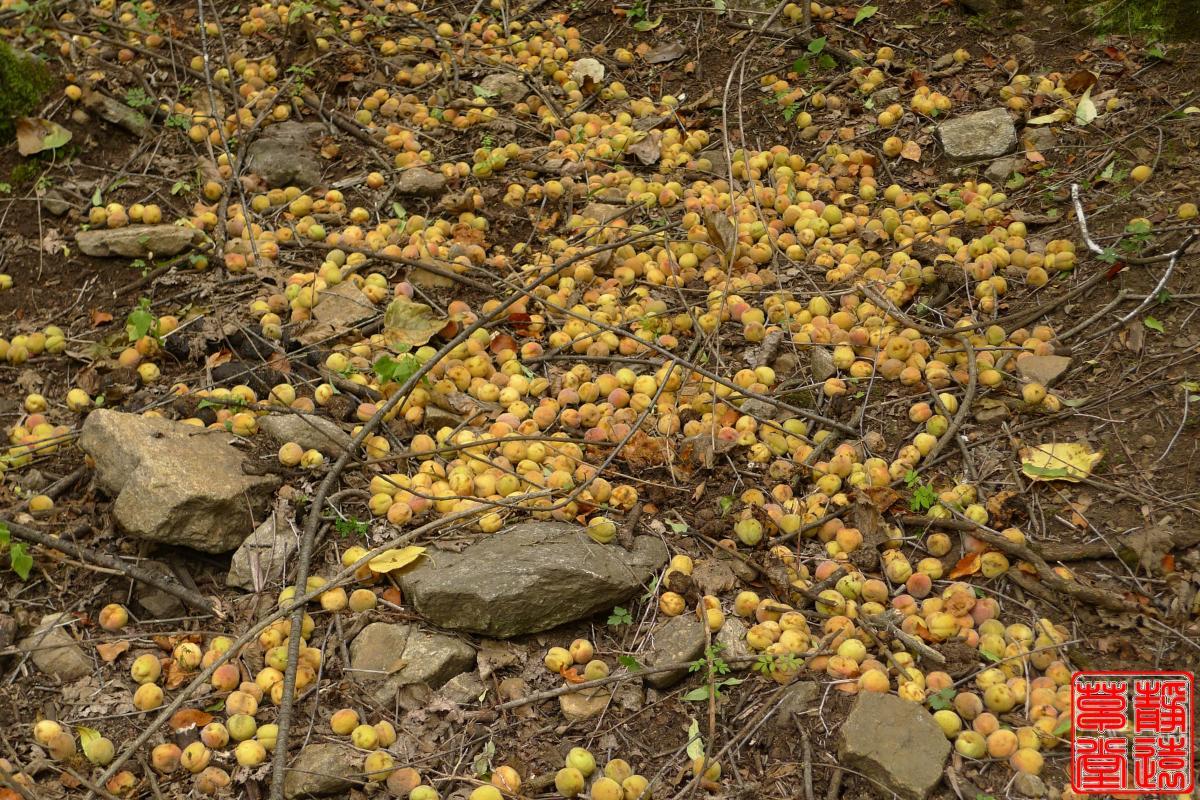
x,y
1051,551
806,741
1088,594
344,577
308,539
130,571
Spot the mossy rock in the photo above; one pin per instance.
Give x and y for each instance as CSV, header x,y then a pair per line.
x,y
24,81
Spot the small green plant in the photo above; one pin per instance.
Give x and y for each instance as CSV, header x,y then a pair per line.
x,y
620,616
137,98
767,662
19,559
23,82
715,666
395,370
923,497
140,321
711,653
630,663
349,526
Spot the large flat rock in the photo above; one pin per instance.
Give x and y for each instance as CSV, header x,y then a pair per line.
x,y
322,770
982,135
175,483
55,652
137,241
528,578
894,742
386,657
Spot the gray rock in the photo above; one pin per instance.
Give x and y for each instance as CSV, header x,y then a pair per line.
x,y
137,241
262,559
420,182
732,638
55,652
54,203
1028,785
886,96
679,639
155,602
464,689
336,311
820,363
1000,169
798,698
1022,43
585,704
1040,138
1043,369
307,430
528,578
284,155
506,86
174,483
894,742
386,657
984,134
321,770
116,112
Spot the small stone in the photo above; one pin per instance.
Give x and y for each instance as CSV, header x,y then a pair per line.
x,y
1039,138
732,638
136,241
262,559
420,182
798,698
820,363
1043,369
1000,169
507,87
389,657
679,639
600,213
321,770
155,602
1022,43
116,112
307,430
464,689
284,155
55,652
55,203
174,483
894,742
713,576
585,704
984,134
1029,785
886,96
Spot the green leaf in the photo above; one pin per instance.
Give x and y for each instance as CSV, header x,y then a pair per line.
x,y
826,61
139,323
620,616
817,45
97,198
1063,726
483,92
1109,256
1156,51
725,503
1154,324
697,695
942,700
630,663
695,748
647,24
719,6
864,13
801,66
678,527
389,369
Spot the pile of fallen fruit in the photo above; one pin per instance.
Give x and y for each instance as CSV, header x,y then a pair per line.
x,y
529,404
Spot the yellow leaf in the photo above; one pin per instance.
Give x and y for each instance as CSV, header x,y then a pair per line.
x,y
911,151
1059,462
407,324
87,736
110,650
395,558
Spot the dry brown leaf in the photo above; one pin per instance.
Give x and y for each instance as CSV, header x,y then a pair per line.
x,y
100,318
646,452
911,151
36,135
967,565
187,717
110,650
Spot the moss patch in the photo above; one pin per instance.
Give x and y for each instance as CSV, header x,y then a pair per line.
x,y
23,82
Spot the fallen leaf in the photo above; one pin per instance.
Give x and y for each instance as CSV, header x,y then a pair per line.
x,y
1085,110
1059,462
1080,81
188,717
392,595
588,73
967,565
36,135
407,324
644,452
110,650
911,151
571,675
100,318
395,558
668,51
86,736
882,497
1034,157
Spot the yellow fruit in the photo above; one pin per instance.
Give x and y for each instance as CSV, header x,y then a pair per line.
x,y
1140,174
